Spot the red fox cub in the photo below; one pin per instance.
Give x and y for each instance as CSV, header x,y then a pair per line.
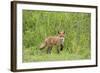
x,y
51,41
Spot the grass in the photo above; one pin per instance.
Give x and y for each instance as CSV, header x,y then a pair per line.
x,y
37,25
31,56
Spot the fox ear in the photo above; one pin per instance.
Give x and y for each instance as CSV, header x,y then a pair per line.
x,y
64,32
58,32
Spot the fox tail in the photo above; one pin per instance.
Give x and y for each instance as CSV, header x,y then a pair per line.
x,y
42,46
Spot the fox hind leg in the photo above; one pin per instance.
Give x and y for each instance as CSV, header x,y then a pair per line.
x,y
49,50
58,49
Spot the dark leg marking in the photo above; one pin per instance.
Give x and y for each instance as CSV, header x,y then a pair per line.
x,y
49,50
58,49
61,47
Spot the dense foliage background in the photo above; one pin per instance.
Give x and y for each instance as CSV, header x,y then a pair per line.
x,y
37,25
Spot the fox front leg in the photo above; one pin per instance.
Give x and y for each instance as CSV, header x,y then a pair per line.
x,y
58,51
61,47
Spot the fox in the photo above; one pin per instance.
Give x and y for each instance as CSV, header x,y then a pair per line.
x,y
52,41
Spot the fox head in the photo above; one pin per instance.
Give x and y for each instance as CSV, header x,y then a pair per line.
x,y
61,34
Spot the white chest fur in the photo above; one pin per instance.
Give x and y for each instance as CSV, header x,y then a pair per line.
x,y
62,40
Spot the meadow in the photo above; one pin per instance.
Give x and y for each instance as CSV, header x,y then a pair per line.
x,y
37,25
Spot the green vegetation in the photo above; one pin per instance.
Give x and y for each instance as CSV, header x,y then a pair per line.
x,y
37,25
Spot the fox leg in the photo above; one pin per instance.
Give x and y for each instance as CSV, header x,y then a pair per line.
x,y
49,50
58,49
61,47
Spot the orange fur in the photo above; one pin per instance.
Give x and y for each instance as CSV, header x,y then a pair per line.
x,y
50,41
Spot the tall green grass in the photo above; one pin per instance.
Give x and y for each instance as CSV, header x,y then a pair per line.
x,y
37,25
